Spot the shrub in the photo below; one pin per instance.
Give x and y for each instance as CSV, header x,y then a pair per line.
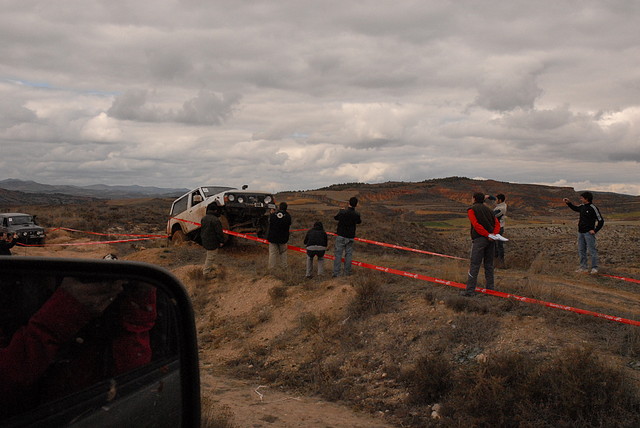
x,y
430,379
215,415
277,294
370,298
474,329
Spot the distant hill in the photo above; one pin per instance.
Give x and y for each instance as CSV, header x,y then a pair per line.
x,y
453,195
99,191
13,198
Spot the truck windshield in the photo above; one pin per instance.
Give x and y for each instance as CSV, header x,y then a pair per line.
x,y
213,190
23,219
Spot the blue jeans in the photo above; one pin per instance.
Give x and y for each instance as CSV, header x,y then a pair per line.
x,y
587,242
343,245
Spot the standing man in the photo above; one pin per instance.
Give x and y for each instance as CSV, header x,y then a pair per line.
x,y
589,224
278,236
483,224
347,218
500,211
212,238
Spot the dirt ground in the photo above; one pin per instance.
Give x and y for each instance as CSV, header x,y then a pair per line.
x,y
261,333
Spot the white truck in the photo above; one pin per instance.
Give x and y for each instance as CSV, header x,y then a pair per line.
x,y
242,210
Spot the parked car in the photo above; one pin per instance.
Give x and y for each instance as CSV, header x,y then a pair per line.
x,y
24,225
243,211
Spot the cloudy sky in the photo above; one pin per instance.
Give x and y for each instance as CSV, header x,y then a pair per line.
x,y
294,94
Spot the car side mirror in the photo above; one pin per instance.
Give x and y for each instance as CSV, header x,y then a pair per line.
x,y
86,343
245,186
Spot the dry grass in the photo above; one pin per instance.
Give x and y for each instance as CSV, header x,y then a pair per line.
x,y
572,389
215,415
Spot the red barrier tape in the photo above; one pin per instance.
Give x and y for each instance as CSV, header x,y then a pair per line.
x,y
88,243
110,234
186,221
383,244
622,278
398,247
456,284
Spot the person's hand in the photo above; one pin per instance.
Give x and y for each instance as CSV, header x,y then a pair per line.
x,y
565,200
593,232
95,296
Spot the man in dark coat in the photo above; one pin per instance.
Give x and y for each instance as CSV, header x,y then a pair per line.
x,y
212,238
347,218
483,224
7,241
278,236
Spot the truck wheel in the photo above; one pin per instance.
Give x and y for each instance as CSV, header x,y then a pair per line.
x,y
178,237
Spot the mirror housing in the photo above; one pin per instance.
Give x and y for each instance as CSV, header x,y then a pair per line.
x,y
168,382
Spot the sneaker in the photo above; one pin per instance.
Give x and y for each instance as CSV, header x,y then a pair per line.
x,y
594,271
582,270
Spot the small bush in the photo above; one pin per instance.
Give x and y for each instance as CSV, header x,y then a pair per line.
x,y
474,329
215,415
465,304
630,342
370,299
277,294
309,322
430,379
328,380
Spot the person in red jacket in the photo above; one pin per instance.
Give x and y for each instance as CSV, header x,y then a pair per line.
x,y
483,224
65,347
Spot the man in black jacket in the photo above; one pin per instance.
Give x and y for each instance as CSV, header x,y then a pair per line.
x,y
278,236
347,218
589,224
212,238
7,241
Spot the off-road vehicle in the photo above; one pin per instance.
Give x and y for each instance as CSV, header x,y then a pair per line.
x,y
242,211
24,225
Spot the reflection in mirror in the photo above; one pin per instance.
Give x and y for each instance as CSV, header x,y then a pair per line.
x,y
67,335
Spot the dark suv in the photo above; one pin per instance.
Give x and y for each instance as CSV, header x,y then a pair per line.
x,y
24,225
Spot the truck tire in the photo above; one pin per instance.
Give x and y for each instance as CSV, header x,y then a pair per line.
x,y
178,237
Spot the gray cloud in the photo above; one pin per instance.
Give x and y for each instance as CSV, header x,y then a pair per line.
x,y
207,108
